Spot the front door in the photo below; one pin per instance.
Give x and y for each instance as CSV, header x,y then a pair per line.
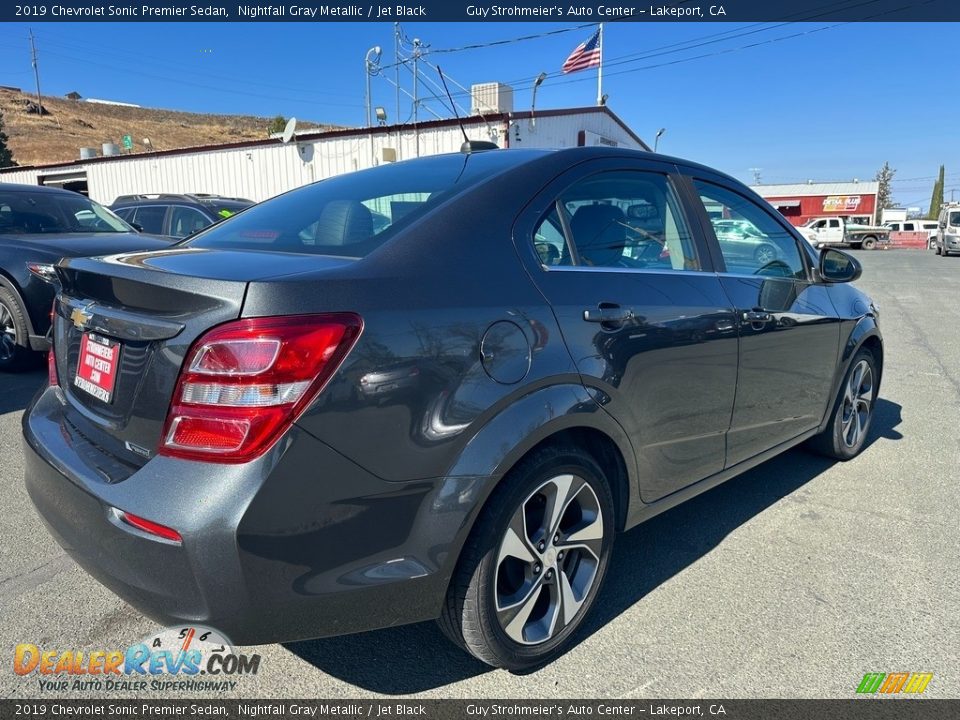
x,y
789,329
649,327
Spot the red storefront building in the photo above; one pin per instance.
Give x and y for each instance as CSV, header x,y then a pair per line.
x,y
799,202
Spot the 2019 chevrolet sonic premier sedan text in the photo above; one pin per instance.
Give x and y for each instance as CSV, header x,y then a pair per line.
x,y
299,423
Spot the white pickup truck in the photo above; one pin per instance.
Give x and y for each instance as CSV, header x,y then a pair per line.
x,y
836,231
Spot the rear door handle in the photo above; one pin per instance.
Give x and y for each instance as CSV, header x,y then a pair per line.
x,y
757,316
608,314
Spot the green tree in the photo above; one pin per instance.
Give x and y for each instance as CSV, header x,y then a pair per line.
x,y
277,125
936,200
885,191
6,156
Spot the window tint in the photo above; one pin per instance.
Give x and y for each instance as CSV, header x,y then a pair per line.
x,y
150,218
186,220
835,224
750,239
351,215
550,241
124,214
908,227
620,220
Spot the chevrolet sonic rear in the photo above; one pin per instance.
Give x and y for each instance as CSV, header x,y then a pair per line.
x,y
434,389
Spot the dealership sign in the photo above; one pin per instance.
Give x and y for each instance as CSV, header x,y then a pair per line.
x,y
841,203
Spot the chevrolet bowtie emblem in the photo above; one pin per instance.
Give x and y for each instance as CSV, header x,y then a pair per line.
x,y
80,317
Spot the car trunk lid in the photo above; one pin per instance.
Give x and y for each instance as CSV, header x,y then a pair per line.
x,y
124,324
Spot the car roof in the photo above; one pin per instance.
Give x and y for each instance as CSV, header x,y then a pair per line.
x,y
20,187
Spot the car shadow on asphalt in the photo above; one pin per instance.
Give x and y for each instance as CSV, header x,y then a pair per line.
x,y
16,390
416,658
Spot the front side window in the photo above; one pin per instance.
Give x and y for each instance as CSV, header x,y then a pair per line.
x,y
954,219
617,219
759,244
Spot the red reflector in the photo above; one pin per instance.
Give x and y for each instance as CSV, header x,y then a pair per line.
x,y
52,379
210,434
150,527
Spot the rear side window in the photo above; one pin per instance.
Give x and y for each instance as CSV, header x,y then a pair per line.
x,y
750,239
186,220
150,218
351,215
617,219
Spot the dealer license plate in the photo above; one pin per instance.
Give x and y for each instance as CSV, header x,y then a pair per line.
x,y
97,368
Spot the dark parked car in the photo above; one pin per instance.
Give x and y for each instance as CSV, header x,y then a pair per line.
x,y
222,467
176,216
38,226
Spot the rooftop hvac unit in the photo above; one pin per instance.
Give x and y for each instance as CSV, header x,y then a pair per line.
x,y
87,152
491,98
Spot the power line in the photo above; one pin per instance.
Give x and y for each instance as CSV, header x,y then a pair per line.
x,y
192,70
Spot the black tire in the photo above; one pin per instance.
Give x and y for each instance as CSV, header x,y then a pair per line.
x,y
834,441
937,249
15,353
470,616
869,243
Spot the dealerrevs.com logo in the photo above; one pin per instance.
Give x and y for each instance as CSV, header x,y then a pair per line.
x,y
193,658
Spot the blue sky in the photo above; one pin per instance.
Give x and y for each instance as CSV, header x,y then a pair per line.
x,y
827,104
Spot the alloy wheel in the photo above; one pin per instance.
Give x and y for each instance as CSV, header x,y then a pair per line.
x,y
8,334
857,399
765,255
548,559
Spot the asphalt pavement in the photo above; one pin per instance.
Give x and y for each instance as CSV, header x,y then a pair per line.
x,y
792,580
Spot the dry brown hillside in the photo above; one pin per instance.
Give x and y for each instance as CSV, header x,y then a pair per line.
x,y
71,125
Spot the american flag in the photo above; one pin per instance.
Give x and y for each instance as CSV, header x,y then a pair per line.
x,y
587,55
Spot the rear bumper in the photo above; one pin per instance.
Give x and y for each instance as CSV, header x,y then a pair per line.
x,y
299,544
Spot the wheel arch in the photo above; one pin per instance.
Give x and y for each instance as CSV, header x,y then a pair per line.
x,y
7,282
866,334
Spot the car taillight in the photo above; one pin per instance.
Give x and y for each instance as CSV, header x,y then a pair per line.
x,y
52,378
245,382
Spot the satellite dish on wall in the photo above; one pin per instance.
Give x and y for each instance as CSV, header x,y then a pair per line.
x,y
289,130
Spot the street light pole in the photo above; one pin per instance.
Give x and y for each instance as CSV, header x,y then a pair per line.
x,y
369,63
656,140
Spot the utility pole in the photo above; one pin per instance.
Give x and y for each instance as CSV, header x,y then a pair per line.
x,y
416,99
36,73
756,175
396,65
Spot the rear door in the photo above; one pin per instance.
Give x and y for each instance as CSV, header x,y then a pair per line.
x,y
788,327
646,322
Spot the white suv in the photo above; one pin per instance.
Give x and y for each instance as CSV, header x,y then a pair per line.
x,y
948,229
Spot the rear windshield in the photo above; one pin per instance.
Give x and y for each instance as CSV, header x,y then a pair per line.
x,y
38,213
351,215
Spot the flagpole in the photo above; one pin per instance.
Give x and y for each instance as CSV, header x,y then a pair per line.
x,y
600,70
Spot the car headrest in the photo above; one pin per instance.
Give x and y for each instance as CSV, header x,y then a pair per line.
x,y
600,234
344,222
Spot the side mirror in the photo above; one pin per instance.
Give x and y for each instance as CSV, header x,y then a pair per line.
x,y
943,226
138,228
838,267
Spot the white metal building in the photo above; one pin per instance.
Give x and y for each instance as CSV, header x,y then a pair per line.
x,y
261,169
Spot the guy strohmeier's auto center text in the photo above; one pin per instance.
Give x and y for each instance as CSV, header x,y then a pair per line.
x,y
375,11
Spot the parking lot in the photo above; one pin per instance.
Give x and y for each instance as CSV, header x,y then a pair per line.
x,y
790,581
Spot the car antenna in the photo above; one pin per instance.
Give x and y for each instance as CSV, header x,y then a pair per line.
x,y
469,146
